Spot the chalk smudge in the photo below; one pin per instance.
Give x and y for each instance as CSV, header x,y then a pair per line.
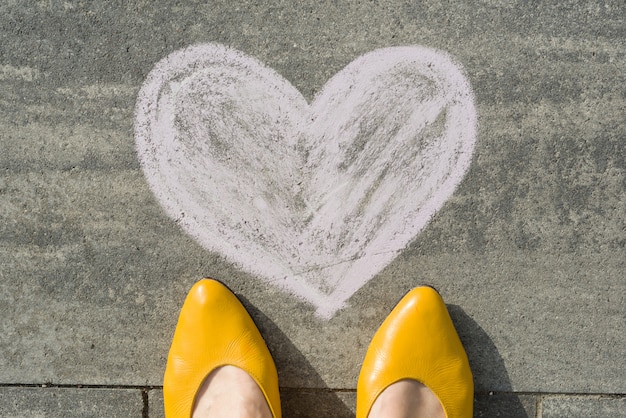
x,y
316,198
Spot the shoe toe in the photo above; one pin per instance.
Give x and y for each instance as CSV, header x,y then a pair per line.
x,y
214,329
418,341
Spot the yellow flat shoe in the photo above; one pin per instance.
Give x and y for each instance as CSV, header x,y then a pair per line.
x,y
418,341
214,329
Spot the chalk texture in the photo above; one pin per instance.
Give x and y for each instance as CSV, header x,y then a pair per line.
x,y
315,198
529,251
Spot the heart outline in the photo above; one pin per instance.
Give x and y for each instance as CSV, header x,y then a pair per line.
x,y
159,152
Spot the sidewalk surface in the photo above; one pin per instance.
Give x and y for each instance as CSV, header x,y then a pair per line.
x,y
529,252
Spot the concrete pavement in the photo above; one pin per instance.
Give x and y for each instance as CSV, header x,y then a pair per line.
x,y
529,252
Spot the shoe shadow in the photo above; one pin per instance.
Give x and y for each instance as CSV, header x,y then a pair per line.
x,y
313,398
488,370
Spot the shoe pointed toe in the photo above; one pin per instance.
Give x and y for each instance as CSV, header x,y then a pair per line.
x,y
214,329
418,341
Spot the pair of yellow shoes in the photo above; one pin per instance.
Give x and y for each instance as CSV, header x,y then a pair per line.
x,y
417,341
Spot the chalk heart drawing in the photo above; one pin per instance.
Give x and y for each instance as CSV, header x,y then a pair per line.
x,y
315,197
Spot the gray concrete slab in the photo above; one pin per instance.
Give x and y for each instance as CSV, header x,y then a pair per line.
x,y
510,405
529,252
583,406
316,403
155,404
27,402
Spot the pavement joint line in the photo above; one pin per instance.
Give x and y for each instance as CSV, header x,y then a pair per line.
x,y
77,386
148,388
538,406
607,395
145,412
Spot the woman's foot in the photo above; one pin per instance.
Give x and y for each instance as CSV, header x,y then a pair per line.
x,y
215,329
416,343
230,392
407,399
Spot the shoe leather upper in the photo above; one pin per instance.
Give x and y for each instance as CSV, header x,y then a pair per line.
x,y
418,341
214,329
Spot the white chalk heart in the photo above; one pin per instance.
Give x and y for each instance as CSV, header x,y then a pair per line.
x,y
316,198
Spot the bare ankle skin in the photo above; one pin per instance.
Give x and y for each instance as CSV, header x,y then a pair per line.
x,y
407,399
230,392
